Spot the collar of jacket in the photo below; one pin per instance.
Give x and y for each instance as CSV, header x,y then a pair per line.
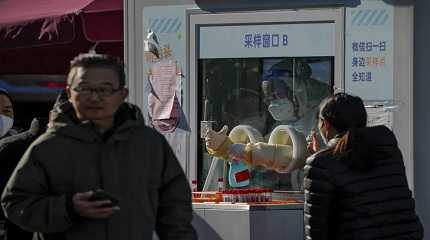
x,y
63,121
332,142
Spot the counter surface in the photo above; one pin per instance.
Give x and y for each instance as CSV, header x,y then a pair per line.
x,y
247,206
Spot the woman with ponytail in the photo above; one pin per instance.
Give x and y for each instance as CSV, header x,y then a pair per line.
x,y
356,188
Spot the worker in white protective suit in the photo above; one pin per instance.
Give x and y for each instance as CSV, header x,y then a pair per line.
x,y
293,100
293,96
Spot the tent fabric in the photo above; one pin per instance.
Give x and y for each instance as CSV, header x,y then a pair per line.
x,y
54,58
103,21
103,27
34,26
19,12
39,33
44,39
104,6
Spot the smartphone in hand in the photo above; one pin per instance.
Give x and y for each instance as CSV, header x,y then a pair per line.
x,y
100,195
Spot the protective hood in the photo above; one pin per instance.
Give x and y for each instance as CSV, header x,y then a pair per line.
x,y
287,97
64,122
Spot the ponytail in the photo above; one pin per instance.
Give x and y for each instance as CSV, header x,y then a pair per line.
x,y
354,149
342,145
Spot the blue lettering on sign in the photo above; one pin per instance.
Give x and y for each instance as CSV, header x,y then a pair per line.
x,y
362,46
266,40
361,62
369,76
285,39
248,40
355,62
257,40
354,76
355,46
275,40
369,46
362,77
382,46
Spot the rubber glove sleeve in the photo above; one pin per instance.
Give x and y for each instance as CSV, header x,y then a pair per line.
x,y
271,156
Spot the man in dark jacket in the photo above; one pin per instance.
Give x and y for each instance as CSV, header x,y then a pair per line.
x,y
357,188
12,147
96,141
11,150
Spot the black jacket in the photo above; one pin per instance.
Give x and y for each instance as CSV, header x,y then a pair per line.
x,y
11,150
131,161
365,198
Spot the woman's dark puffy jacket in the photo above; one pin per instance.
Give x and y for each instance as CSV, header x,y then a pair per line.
x,y
365,199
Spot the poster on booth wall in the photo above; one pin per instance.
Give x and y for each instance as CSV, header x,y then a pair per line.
x,y
163,83
369,51
379,115
164,34
163,105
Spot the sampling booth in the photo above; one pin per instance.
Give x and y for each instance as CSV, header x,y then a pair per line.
x,y
262,68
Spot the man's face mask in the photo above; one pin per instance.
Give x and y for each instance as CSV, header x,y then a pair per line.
x,y
6,124
282,110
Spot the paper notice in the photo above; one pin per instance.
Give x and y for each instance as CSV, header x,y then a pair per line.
x,y
378,115
163,81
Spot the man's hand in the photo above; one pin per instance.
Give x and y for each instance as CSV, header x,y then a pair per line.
x,y
215,139
92,209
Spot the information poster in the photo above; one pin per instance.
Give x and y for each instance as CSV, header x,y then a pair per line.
x,y
369,51
164,76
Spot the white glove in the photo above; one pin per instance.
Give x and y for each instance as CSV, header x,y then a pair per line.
x,y
215,139
34,126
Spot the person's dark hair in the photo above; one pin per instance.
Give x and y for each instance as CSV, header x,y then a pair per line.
x,y
90,60
347,115
344,112
6,93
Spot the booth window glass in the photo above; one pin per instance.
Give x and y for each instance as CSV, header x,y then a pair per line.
x,y
235,91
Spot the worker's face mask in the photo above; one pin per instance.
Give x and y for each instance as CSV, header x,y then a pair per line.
x,y
6,124
282,110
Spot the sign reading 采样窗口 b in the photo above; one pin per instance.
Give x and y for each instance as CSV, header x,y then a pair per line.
x,y
267,40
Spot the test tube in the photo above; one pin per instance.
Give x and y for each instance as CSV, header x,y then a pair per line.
x,y
270,195
251,195
239,195
194,187
258,195
248,194
236,196
262,195
220,184
225,196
